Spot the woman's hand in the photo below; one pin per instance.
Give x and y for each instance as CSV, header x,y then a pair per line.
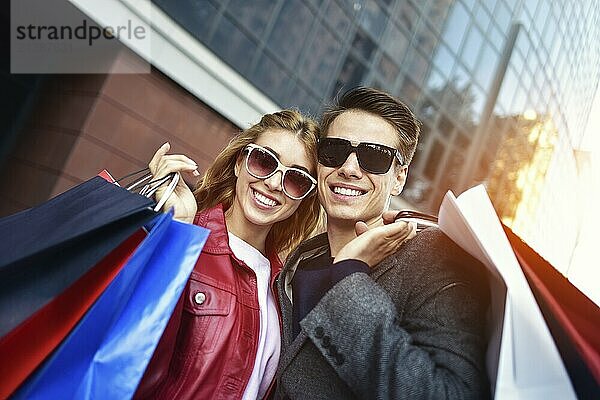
x,y
372,245
182,199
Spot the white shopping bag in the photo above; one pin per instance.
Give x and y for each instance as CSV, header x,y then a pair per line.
x,y
522,360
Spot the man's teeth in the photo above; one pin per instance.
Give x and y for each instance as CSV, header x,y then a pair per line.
x,y
265,200
346,191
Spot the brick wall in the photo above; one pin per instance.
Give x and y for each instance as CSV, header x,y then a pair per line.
x,y
85,123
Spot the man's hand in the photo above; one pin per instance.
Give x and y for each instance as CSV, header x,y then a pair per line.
x,y
182,199
372,245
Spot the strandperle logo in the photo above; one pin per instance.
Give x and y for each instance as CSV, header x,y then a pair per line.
x,y
83,31
80,36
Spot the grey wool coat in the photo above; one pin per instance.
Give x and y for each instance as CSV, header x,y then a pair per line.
x,y
413,328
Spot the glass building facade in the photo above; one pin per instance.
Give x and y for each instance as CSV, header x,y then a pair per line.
x,y
503,87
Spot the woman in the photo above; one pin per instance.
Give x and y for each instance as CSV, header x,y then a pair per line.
x,y
258,199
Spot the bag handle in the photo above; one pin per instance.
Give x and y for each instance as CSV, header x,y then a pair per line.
x,y
151,186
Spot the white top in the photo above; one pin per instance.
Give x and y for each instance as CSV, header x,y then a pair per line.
x,y
267,355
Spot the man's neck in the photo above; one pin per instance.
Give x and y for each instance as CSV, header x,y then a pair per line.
x,y
339,236
340,233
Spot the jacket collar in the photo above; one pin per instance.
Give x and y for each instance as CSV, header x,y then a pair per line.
x,y
214,219
218,240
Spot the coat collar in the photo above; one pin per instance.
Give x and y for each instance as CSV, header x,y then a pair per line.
x,y
308,249
312,248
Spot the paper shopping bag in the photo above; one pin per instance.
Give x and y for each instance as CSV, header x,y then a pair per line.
x,y
523,360
573,319
47,248
33,340
106,354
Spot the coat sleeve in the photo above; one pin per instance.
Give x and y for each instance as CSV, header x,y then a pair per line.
x,y
434,349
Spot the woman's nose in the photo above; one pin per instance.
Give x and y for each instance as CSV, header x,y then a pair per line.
x,y
274,181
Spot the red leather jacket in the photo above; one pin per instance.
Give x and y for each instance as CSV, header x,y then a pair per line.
x,y
209,346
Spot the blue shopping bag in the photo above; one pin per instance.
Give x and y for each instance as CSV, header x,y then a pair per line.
x,y
106,354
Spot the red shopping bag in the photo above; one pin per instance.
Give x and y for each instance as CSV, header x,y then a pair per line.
x,y
573,319
34,339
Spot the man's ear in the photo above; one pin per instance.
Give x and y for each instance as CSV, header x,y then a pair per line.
x,y
400,180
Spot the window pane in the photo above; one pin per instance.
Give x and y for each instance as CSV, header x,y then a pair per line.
x,y
271,78
373,19
433,160
417,68
301,98
531,5
363,44
479,98
482,17
233,46
436,13
444,60
456,25
336,18
351,75
445,126
428,110
472,46
254,14
290,31
407,16
435,80
395,43
388,69
409,92
426,41
503,17
487,67
453,166
489,4
195,16
508,89
319,64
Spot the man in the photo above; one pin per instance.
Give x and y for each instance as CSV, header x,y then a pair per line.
x,y
357,325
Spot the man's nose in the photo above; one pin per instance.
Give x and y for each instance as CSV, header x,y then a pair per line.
x,y
350,168
274,181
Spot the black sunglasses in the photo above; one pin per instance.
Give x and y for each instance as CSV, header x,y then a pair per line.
x,y
372,157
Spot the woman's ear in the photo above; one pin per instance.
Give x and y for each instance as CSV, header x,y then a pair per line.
x,y
238,165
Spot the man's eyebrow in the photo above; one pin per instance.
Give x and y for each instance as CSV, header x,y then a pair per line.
x,y
279,158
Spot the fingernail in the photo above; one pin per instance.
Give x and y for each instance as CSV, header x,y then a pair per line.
x,y
167,144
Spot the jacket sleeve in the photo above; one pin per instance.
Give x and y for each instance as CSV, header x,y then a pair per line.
x,y
433,349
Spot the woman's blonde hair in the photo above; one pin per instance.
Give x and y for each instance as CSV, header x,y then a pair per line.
x,y
218,183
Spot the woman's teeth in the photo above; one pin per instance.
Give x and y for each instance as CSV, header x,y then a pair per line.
x,y
264,200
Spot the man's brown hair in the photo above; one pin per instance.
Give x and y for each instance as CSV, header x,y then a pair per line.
x,y
383,105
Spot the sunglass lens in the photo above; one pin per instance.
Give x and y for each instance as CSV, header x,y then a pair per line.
x,y
296,183
261,163
332,152
375,158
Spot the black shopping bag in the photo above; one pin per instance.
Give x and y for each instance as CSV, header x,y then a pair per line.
x,y
47,248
